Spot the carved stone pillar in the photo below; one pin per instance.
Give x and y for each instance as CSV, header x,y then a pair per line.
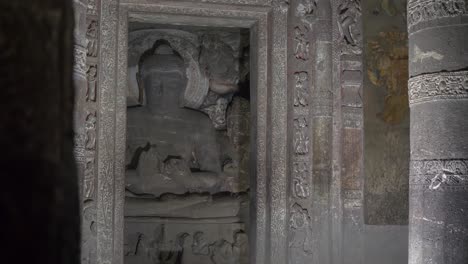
x,y
438,95
85,119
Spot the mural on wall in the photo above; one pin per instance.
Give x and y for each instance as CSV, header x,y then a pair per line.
x,y
388,69
386,108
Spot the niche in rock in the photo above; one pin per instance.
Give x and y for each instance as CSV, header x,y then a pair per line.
x,y
188,144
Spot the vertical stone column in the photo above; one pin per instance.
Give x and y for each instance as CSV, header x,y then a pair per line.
x,y
438,96
310,70
85,119
349,107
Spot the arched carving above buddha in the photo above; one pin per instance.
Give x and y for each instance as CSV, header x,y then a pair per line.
x,y
212,62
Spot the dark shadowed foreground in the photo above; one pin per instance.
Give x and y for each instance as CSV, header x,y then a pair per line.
x,y
39,194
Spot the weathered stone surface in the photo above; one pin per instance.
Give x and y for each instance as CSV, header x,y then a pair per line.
x,y
438,168
158,242
386,114
39,201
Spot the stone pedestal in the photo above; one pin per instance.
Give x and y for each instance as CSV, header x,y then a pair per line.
x,y
438,95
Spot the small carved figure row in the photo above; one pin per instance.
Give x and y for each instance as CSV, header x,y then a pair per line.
x,y
160,250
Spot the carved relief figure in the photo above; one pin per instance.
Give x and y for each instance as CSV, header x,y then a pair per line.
x,y
88,185
301,188
301,50
301,92
91,89
350,23
91,131
301,138
305,11
300,228
91,38
222,68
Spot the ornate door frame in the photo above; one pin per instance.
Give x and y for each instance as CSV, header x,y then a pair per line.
x,y
268,25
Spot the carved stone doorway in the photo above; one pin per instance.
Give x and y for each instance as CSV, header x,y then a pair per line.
x,y
188,145
267,233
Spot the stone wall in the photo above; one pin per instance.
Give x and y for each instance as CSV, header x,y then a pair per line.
x,y
386,113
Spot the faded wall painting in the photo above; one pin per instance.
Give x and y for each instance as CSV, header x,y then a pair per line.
x,y
386,113
188,143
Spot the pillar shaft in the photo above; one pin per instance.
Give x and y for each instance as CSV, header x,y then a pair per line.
x,y
438,95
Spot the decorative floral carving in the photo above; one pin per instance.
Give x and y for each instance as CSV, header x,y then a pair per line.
x,y
439,174
438,86
80,60
350,25
426,10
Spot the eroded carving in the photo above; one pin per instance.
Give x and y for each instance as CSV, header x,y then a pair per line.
x,y
80,60
91,38
162,248
426,10
350,25
301,137
438,86
300,229
90,125
305,10
301,187
301,43
92,83
301,91
89,179
92,7
439,174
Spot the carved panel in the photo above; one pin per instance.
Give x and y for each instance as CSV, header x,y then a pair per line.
x,y
300,184
80,60
448,175
91,88
301,91
438,86
301,44
300,224
350,26
91,37
301,135
426,10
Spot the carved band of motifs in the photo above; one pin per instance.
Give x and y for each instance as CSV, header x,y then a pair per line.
x,y
448,175
438,86
426,10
